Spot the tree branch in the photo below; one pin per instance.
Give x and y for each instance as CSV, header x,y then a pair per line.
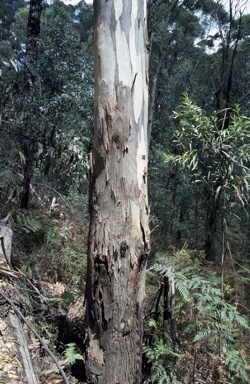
x,y
45,347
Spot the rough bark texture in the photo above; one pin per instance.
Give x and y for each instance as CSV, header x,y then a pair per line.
x,y
119,234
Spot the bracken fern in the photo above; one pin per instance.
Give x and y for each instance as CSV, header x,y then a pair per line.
x,y
209,329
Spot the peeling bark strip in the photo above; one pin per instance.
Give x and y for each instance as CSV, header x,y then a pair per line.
x,y
119,233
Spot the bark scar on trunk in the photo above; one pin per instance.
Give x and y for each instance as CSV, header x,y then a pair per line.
x,y
102,295
123,249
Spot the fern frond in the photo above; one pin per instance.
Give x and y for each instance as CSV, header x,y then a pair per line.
x,y
211,320
29,223
236,365
71,353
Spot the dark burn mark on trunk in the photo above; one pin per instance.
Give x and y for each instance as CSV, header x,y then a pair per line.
x,y
116,139
102,295
123,249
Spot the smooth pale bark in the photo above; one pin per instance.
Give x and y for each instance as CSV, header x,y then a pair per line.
x,y
119,233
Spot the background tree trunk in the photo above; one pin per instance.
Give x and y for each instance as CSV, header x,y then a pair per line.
x,y
119,233
27,136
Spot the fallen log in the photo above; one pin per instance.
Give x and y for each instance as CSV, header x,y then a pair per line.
x,y
16,365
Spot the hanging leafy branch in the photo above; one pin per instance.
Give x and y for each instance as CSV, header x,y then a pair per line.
x,y
215,154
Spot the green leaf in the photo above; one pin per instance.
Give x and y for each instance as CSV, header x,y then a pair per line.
x,y
71,353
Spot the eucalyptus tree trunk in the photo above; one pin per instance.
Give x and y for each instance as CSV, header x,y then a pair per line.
x,y
119,233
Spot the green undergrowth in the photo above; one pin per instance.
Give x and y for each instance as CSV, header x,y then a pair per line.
x,y
197,328
50,252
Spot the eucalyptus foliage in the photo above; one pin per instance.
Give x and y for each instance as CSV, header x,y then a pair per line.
x,y
216,154
64,96
213,151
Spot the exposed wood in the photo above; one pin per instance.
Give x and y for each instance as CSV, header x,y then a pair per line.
x,y
22,342
5,244
15,360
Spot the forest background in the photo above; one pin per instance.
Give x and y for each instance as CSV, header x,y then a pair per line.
x,y
196,318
